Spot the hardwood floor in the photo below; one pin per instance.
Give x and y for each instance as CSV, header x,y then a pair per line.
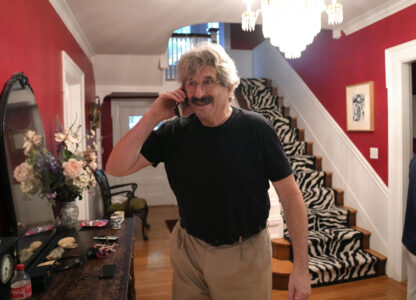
x,y
153,273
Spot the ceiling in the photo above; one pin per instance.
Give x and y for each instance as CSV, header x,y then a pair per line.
x,y
132,27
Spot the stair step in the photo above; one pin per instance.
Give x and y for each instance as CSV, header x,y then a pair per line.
x,y
340,197
319,198
287,134
352,216
300,163
318,163
281,249
297,148
280,100
281,271
309,148
320,241
306,162
333,269
293,122
311,179
328,179
301,134
381,264
328,269
286,111
321,218
365,240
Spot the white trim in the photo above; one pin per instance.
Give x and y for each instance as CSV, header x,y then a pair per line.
x,y
398,75
64,12
372,16
73,79
364,189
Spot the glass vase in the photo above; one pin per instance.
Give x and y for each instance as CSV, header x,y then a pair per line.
x,y
68,215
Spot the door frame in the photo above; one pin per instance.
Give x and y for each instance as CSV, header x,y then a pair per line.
x,y
398,61
73,80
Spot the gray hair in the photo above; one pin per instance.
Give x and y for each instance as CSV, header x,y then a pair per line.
x,y
206,54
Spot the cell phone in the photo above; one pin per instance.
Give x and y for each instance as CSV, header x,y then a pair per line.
x,y
108,271
180,106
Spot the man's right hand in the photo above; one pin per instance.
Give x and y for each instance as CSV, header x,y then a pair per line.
x,y
163,107
125,158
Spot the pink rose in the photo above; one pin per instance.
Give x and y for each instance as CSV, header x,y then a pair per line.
x,y
23,172
73,168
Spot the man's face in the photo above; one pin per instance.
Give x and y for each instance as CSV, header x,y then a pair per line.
x,y
207,97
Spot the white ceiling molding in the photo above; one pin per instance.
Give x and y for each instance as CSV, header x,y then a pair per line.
x,y
71,23
380,12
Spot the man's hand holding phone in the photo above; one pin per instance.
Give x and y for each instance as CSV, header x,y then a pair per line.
x,y
165,105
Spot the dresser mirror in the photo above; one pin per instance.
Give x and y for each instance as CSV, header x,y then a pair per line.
x,y
20,213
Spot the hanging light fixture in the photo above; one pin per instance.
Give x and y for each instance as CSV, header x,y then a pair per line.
x,y
335,14
291,25
248,17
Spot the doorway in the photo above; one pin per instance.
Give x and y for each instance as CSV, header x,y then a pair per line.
x,y
399,61
74,114
152,182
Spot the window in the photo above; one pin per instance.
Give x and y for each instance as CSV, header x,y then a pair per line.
x,y
186,29
133,120
184,38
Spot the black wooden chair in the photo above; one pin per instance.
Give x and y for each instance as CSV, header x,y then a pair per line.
x,y
132,206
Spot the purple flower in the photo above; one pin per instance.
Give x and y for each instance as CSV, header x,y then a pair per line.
x,y
47,164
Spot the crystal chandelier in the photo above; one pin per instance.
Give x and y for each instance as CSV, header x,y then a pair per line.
x,y
291,25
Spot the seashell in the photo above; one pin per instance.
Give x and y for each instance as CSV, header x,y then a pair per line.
x,y
55,253
66,240
46,263
35,245
70,246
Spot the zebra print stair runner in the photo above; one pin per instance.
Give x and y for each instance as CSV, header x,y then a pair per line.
x,y
335,250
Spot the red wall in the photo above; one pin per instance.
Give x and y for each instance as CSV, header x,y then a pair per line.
x,y
245,40
32,37
328,65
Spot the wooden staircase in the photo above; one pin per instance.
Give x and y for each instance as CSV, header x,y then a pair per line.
x,y
282,251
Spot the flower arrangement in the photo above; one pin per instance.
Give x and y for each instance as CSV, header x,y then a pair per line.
x,y
58,179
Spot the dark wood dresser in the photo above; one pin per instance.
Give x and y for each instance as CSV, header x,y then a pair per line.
x,y
83,282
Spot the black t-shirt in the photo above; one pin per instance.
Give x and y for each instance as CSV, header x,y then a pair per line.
x,y
220,174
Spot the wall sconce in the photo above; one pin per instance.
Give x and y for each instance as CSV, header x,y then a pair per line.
x,y
94,113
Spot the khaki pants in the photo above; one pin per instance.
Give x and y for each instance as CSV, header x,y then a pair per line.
x,y
241,271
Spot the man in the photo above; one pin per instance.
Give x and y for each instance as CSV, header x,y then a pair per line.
x,y
409,232
219,161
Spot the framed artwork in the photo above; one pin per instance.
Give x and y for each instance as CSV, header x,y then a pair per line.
x,y
360,106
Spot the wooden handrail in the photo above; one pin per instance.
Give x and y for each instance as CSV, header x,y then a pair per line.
x,y
191,35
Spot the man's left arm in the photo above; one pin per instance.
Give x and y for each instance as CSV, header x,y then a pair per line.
x,y
297,221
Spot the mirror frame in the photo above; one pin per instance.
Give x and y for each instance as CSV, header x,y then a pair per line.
x,y
8,221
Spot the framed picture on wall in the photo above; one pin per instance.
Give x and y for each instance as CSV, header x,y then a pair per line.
x,y
360,106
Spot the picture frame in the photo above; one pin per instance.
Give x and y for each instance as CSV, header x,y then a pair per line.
x,y
360,106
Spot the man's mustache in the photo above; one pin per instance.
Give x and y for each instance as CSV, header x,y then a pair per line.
x,y
202,101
